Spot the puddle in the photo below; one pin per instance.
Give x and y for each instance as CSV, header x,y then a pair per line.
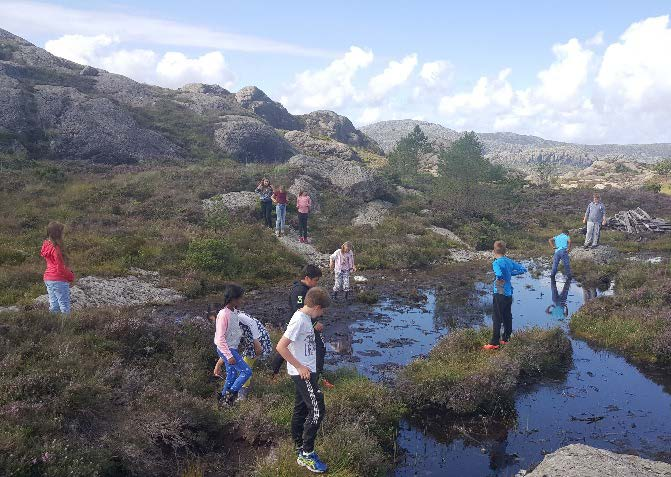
x,y
604,401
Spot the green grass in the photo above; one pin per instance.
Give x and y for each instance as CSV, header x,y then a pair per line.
x,y
459,377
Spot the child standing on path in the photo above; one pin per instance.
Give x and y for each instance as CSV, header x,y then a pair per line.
x,y
265,192
227,339
311,275
280,199
303,204
504,268
562,245
342,262
57,276
297,346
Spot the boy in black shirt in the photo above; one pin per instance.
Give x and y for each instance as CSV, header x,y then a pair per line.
x,y
311,275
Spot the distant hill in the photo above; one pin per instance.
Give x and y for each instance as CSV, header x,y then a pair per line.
x,y
51,108
517,150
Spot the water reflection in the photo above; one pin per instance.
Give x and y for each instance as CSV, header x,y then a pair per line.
x,y
559,308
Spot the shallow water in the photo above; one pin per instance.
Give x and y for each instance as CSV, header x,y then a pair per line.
x,y
603,401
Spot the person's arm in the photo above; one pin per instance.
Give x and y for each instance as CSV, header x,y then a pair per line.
x,y
568,247
283,349
551,241
63,270
332,260
222,328
603,209
518,269
253,326
584,219
353,265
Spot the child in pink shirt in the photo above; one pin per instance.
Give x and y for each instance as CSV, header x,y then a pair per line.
x,y
303,204
342,263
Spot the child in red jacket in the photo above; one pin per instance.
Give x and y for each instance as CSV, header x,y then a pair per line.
x,y
57,276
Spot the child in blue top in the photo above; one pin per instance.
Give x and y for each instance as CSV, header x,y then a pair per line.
x,y
562,246
504,269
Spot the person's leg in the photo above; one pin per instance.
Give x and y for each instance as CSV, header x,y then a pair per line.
x,y
277,218
250,362
63,297
337,286
53,300
596,234
590,233
269,214
314,401
284,217
231,374
567,264
243,370
345,281
302,221
497,318
305,227
299,415
555,262
507,318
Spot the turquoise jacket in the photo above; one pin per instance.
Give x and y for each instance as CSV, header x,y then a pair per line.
x,y
504,269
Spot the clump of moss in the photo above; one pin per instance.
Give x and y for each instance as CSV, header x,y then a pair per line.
x,y
459,377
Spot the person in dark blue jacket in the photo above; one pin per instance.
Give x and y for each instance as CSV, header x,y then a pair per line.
x,y
504,269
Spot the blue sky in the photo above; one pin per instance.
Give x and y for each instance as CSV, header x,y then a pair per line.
x,y
563,70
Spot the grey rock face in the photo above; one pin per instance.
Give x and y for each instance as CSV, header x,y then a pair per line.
x,y
372,213
250,140
311,146
579,460
89,71
136,290
255,100
232,201
601,254
334,126
311,185
352,178
95,128
388,133
202,88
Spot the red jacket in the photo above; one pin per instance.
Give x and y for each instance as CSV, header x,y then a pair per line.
x,y
56,270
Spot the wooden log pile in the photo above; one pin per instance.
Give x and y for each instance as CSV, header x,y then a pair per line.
x,y
637,221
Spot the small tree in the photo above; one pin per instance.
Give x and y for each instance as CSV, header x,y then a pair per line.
x,y
463,164
546,170
404,159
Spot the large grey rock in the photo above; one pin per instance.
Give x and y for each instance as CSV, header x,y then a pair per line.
x,y
601,254
290,240
96,128
209,98
232,202
311,185
447,233
579,460
312,146
89,71
255,100
141,288
372,213
250,140
334,126
352,178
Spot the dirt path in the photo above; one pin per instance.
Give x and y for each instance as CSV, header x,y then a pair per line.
x,y
290,240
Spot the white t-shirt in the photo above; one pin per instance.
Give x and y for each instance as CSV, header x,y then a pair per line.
x,y
302,345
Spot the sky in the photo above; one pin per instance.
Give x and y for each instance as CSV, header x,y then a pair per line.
x,y
589,72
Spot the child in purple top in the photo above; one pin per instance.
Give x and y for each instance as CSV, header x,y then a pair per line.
x,y
342,263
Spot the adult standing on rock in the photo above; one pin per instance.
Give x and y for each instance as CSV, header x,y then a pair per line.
x,y
595,217
265,191
57,276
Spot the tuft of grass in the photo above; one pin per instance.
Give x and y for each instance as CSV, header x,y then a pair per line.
x,y
459,377
368,297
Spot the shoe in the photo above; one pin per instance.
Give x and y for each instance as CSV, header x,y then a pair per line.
x,y
595,246
301,240
277,233
306,240
327,384
586,247
228,398
312,462
503,342
490,346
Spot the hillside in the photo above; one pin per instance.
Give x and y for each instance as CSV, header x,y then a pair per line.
x,y
51,108
519,150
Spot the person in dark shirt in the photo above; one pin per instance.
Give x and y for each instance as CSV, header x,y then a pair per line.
x,y
311,275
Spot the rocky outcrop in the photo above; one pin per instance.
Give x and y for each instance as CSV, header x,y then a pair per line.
x,y
290,240
256,101
579,460
311,185
448,234
518,150
232,202
600,254
89,71
248,139
372,213
351,178
334,126
618,174
140,288
311,146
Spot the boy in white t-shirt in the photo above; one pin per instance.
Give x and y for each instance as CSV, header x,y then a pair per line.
x,y
297,346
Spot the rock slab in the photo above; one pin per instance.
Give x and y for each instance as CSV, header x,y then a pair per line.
x,y
579,460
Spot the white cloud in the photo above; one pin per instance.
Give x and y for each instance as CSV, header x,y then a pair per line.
x,y
368,116
330,87
487,93
561,83
172,69
31,18
435,73
596,40
395,74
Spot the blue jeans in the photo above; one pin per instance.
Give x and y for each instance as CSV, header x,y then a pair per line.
x,y
561,254
59,296
236,374
281,210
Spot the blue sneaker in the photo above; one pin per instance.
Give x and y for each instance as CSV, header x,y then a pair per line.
x,y
312,462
